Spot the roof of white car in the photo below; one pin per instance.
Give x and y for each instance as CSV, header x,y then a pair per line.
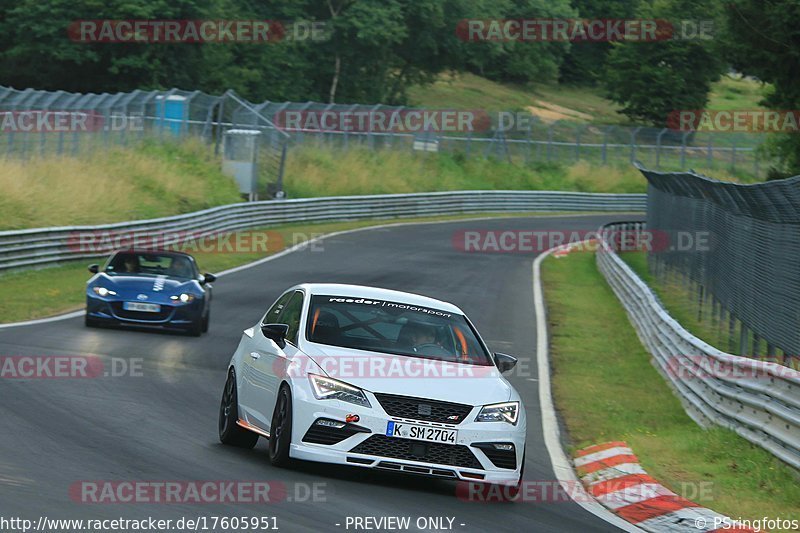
x,y
375,293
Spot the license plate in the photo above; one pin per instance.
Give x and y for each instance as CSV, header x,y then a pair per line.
x,y
426,433
139,306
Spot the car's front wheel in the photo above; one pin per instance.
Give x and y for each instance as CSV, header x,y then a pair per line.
x,y
196,329
206,320
229,432
281,428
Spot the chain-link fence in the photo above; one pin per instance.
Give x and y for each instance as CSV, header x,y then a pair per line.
x,y
736,249
39,122
518,138
35,123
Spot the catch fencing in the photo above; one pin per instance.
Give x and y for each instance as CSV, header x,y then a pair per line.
x,y
36,123
45,246
758,400
746,278
516,137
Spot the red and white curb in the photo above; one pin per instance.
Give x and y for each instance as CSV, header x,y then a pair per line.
x,y
612,474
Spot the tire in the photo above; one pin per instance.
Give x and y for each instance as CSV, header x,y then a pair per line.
x,y
196,329
206,319
90,322
229,432
281,429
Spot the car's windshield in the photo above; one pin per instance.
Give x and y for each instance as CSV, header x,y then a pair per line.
x,y
133,264
394,328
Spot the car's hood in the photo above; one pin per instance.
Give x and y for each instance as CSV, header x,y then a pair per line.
x,y
153,287
410,376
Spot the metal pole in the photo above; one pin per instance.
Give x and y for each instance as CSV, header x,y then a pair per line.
x,y
743,335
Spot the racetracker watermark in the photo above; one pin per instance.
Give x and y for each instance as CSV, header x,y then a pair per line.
x,y
212,242
384,121
377,366
582,30
537,241
66,121
616,491
702,368
196,492
68,367
147,31
735,121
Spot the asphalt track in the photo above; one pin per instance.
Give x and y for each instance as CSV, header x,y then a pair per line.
x,y
162,425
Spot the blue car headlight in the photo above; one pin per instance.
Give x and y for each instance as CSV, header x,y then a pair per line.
x,y
183,297
103,292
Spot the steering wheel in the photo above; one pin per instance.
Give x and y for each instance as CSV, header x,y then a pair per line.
x,y
431,348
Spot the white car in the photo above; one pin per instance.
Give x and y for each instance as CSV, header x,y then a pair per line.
x,y
375,378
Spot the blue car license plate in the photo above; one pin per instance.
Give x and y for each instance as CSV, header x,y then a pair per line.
x,y
142,307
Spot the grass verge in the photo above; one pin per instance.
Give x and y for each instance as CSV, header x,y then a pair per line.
x,y
29,294
606,389
146,179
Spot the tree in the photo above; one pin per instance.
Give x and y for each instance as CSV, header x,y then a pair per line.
x,y
763,41
585,62
650,80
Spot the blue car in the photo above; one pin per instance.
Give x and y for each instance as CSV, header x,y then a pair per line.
x,y
150,289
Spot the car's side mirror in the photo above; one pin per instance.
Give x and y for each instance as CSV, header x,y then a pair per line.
x,y
94,269
276,332
209,278
504,361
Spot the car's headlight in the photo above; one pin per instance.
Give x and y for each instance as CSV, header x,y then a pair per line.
x,y
333,389
183,297
500,412
102,291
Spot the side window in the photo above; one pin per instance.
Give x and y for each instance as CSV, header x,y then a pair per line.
x,y
275,311
291,315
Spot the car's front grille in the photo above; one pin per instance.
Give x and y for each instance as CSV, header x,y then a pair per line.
x,y
499,458
325,434
162,315
424,409
414,450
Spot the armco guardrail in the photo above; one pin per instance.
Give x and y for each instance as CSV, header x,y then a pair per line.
x,y
758,400
34,247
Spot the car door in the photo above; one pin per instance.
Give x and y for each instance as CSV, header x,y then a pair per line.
x,y
269,361
253,345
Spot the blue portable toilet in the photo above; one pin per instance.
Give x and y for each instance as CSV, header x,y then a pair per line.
x,y
171,113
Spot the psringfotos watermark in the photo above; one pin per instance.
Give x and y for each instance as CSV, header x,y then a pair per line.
x,y
184,31
600,30
735,121
765,523
176,492
67,121
197,241
25,367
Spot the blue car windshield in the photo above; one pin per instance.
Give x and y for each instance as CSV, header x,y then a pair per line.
x,y
152,264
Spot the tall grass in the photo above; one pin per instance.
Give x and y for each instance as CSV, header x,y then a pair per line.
x,y
320,171
147,180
